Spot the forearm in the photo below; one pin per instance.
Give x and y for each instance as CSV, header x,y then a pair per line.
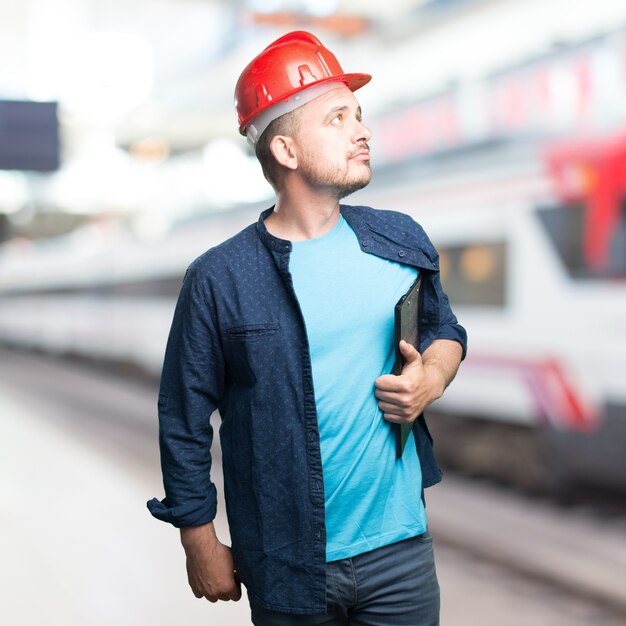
x,y
198,537
441,362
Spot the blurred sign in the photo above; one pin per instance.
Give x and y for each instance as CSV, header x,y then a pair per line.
x,y
29,135
576,91
344,25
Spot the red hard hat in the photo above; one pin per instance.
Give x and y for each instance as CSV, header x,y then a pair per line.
x,y
293,63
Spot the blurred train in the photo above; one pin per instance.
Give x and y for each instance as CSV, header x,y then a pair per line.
x,y
532,242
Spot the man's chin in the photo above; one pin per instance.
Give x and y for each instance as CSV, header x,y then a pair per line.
x,y
347,190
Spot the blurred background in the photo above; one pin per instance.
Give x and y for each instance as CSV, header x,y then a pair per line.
x,y
500,125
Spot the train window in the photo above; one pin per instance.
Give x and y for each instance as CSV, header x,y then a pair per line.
x,y
586,253
475,274
617,251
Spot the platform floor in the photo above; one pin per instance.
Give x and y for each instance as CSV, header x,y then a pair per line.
x,y
78,545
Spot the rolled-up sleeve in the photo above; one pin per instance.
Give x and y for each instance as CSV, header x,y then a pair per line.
x,y
192,384
449,327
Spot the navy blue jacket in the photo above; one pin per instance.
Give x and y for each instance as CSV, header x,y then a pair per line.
x,y
238,343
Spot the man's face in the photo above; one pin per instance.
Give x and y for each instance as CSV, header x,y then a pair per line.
x,y
331,143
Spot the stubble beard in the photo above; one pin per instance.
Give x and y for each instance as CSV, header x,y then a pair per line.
x,y
338,184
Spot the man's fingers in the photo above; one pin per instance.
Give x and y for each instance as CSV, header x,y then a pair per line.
x,y
390,384
394,390
386,382
234,593
396,414
390,407
396,395
227,590
224,597
396,419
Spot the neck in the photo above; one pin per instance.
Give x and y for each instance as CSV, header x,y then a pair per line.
x,y
298,216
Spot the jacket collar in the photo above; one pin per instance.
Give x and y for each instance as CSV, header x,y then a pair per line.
x,y
284,245
273,243
375,235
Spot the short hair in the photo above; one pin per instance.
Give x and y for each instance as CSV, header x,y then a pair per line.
x,y
287,124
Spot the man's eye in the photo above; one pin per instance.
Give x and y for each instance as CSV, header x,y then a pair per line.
x,y
337,119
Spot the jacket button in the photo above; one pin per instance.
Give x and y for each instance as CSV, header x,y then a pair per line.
x,y
365,243
401,253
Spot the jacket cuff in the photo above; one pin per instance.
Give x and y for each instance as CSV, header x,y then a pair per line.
x,y
454,332
195,513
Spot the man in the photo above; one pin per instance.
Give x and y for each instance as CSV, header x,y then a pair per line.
x,y
287,329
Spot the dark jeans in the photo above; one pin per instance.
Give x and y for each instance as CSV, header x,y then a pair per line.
x,y
395,585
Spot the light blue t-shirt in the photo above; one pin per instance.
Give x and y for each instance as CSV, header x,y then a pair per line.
x,y
347,298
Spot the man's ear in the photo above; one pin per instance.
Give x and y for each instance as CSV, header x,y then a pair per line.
x,y
283,149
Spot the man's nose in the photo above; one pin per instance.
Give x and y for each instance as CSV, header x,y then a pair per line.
x,y
362,132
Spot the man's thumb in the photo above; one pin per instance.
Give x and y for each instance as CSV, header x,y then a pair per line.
x,y
410,353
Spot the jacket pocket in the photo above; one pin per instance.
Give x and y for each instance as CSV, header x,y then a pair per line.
x,y
251,350
248,332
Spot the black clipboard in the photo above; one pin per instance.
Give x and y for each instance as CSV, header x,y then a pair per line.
x,y
406,326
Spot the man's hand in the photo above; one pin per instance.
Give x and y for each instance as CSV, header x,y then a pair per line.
x,y
210,567
423,379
